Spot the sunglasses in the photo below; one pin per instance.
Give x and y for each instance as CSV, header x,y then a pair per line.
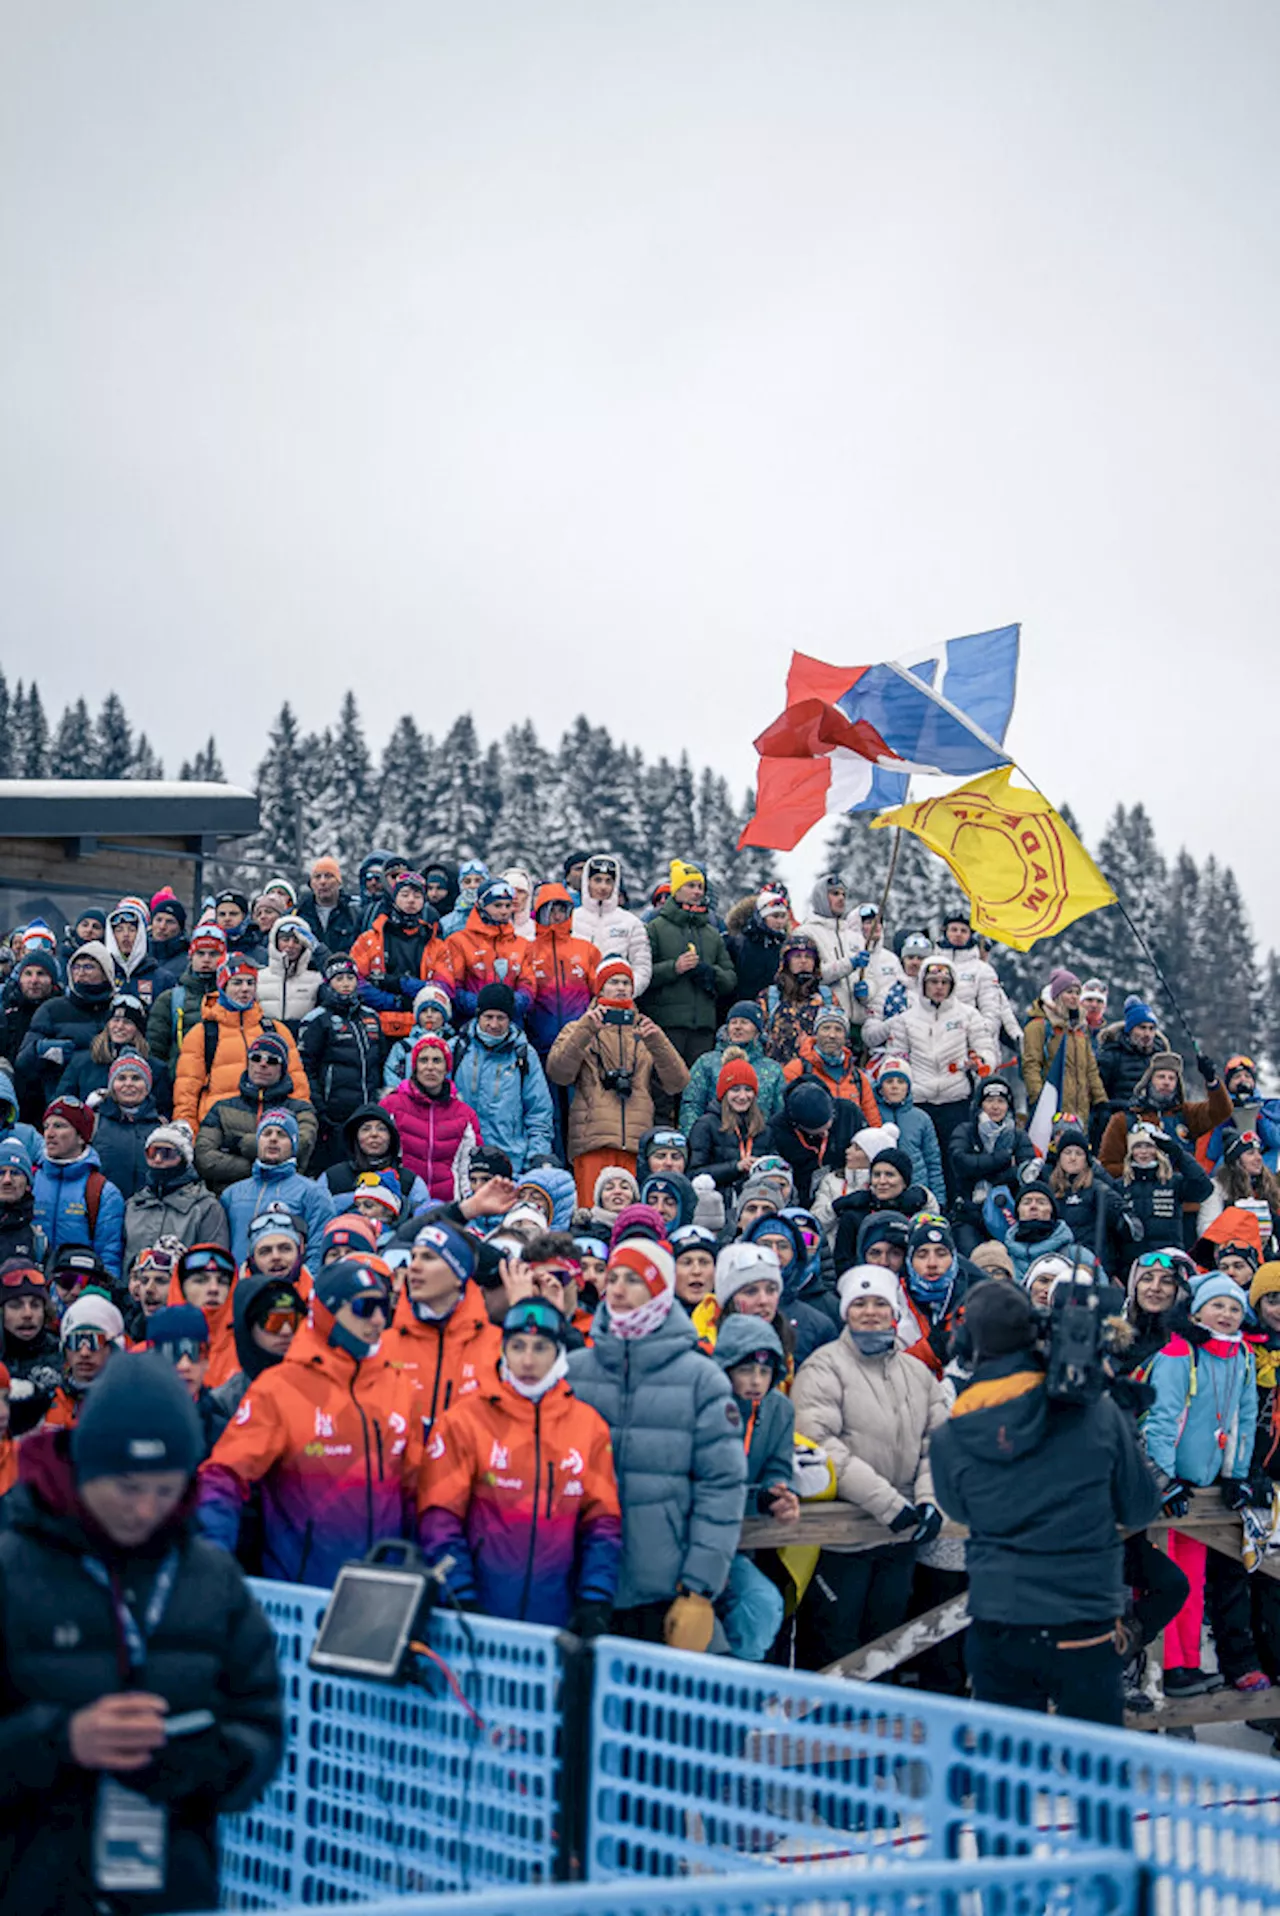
x,y
263,1057
180,1347
85,1341
207,1260
367,1302
277,1321
12,1279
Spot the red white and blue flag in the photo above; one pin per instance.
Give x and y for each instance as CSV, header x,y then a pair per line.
x,y
851,736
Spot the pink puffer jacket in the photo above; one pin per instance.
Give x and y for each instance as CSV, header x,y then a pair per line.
x,y
437,1137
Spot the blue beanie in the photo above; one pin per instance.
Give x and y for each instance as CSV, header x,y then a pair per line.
x,y
1217,1284
452,1246
177,1321
748,1008
138,1417
1136,1013
281,1120
14,1156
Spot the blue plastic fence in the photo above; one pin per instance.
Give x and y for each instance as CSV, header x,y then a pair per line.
x,y
699,1763
1079,1885
389,1791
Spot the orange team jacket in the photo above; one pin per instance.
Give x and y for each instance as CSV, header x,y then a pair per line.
x,y
8,1465
481,955
852,1084
523,1497
224,1359
336,1444
448,1358
63,1411
369,956
194,1091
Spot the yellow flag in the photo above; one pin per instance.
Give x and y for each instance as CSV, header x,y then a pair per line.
x,y
1025,872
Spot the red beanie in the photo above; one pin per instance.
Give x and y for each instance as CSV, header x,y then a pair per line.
x,y
613,968
76,1113
736,1071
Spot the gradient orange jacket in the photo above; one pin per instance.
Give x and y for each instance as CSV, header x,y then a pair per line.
x,y
480,955
224,1360
447,1357
851,1083
336,1444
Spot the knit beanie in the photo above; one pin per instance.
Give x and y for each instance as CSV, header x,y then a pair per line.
x,y
175,1323
747,1008
454,1247
168,900
138,1418
128,1061
431,1041
875,1138
653,1263
274,1221
990,1256
177,1135
1041,1189
613,967
76,1113
1136,1013
894,1068
900,1161
742,1264
274,1047
434,995
496,997
349,1232
607,1176
93,1312
14,1156
868,1280
809,1105
209,938
326,867
930,1229
1236,1143
340,964
999,1319
737,1069
126,1004
1265,1283
831,1015
638,1220
337,1283
682,874
383,1187
281,1120
1215,1284
1061,980
281,885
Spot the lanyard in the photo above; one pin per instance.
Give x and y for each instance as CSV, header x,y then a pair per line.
x,y
134,1636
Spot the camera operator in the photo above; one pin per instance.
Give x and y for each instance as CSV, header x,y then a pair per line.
x,y
1042,1466
613,1056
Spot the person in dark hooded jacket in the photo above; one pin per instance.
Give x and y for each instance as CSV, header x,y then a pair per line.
x,y
34,981
20,1236
889,1189
813,1316
757,931
342,1050
986,1150
1044,1593
812,1133
333,914
442,885
266,1312
64,1026
1090,1203
374,1149
78,1546
1160,1098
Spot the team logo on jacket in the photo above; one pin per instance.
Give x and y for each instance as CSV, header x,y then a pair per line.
x,y
498,1456
574,1487
436,1447
244,1412
573,1462
396,1421
324,1424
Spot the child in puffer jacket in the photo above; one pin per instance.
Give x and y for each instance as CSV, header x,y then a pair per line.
x,y
749,1352
432,1011
1200,1431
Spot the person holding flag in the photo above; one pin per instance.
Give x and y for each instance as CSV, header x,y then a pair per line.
x,y
1058,1052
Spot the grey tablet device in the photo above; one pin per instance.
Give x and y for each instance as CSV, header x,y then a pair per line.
x,y
370,1621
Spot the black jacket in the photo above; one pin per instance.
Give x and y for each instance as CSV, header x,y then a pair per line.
x,y
36,1361
71,1022
120,1142
972,1164
755,951
344,924
342,1051
173,1014
781,1137
19,1234
341,1178
16,1013
1096,1218
714,1148
212,1649
1042,1487
1158,1206
1121,1065
852,1211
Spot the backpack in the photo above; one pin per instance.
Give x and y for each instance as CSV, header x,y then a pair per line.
x,y
462,1046
211,1029
94,1185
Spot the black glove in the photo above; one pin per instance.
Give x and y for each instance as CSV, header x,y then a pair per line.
x,y
590,1620
929,1525
705,978
1235,1492
940,1340
1207,1068
1177,1500
906,1519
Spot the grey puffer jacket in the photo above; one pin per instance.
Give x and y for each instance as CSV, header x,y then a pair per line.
x,y
188,1210
873,1416
677,1452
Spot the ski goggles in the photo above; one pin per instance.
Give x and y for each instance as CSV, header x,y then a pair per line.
x,y
277,1322
28,1277
175,1349
155,1258
86,1340
207,1260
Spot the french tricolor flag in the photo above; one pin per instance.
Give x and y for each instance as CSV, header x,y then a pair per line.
x,y
851,736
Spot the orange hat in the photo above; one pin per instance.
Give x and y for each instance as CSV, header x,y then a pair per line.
x,y
736,1071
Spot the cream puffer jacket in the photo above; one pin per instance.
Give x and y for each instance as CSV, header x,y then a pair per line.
x,y
936,1040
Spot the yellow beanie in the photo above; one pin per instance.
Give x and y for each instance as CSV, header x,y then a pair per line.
x,y
1266,1280
682,873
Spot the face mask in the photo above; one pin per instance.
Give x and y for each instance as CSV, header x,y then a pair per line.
x,y
342,1340
648,1318
1034,1230
533,1392
873,1343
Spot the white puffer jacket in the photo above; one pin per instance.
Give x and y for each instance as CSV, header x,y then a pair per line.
x,y
978,985
838,941
936,1040
873,1417
613,931
289,994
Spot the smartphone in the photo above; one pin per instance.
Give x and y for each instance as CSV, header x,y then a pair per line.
x,y
619,1015
188,1723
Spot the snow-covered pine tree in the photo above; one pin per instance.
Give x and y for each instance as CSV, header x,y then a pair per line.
x,y
597,804
458,813
1223,973
1135,867
404,791
1269,1026
342,801
206,767
29,733
281,787
519,835
670,802
74,752
145,762
114,739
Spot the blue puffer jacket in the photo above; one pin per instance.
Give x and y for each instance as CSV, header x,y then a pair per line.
x,y
560,1188
62,1213
1201,1399
270,1184
1023,1255
502,1080
10,1124
917,1137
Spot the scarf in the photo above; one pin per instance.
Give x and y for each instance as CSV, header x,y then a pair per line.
x,y
649,1317
991,1134
932,1291
873,1343
534,1392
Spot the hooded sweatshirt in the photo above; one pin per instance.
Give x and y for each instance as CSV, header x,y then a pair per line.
x,y
615,932
939,1042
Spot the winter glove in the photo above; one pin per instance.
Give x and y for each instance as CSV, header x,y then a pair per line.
x,y
929,1525
1207,1068
940,1340
409,985
590,1620
379,1000
704,978
862,991
689,1622
907,1518
1235,1492
52,1050
1177,1500
861,960
895,1001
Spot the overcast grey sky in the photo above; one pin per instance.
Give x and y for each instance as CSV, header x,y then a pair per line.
x,y
536,357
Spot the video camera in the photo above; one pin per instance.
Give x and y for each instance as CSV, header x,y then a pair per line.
x,y
1081,1327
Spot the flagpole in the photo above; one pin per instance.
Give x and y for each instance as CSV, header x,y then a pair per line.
x,y
994,745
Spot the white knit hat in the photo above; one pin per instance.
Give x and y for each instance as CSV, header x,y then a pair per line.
x,y
868,1280
873,1139
94,1314
742,1264
177,1136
